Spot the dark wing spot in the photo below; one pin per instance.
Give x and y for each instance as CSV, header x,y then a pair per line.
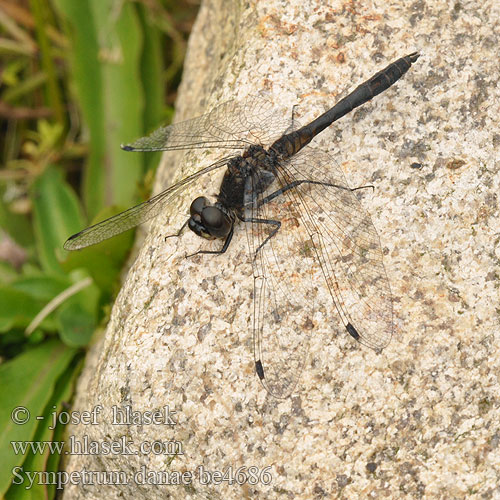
x,y
352,331
259,369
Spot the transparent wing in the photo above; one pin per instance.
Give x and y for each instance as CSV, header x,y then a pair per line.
x,y
230,125
326,248
135,215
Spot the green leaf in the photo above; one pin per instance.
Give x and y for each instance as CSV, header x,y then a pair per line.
x,y
26,86
76,325
41,17
62,394
27,381
49,134
77,317
18,226
56,214
7,273
86,68
47,461
120,38
153,84
11,74
42,288
17,308
106,39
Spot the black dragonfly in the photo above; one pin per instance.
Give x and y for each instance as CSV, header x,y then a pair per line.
x,y
309,239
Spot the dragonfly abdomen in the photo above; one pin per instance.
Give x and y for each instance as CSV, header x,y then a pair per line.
x,y
293,142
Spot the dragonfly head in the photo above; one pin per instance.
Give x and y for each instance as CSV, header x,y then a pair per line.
x,y
209,221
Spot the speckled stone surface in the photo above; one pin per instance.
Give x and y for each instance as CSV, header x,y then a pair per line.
x,y
419,420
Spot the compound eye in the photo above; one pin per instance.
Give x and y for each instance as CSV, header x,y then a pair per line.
x,y
198,205
212,217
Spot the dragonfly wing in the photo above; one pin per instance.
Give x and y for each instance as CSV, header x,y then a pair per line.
x,y
135,215
326,248
230,125
283,316
346,245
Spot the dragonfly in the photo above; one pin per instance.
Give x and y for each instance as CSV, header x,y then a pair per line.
x,y
315,253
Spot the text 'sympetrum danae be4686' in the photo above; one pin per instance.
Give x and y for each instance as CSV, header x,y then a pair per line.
x,y
308,236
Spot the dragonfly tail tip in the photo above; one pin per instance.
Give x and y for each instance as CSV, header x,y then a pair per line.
x,y
414,56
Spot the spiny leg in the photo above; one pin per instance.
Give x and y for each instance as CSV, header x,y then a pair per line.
x,y
178,232
227,241
294,184
271,222
281,191
293,116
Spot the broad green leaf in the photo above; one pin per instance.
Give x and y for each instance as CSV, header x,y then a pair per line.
x,y
76,325
43,288
56,215
47,461
17,308
77,317
27,381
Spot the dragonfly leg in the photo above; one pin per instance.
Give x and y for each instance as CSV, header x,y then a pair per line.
x,y
293,116
364,187
279,192
270,222
178,233
227,241
294,184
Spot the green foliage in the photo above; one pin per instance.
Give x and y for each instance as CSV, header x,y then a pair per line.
x,y
78,78
29,381
55,213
